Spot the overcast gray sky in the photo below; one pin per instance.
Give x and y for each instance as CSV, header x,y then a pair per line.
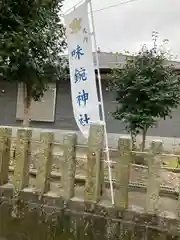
x,y
128,26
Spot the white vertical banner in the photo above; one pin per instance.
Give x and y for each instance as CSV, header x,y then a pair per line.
x,y
83,82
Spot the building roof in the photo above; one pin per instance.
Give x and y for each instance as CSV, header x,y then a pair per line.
x,y
113,60
109,60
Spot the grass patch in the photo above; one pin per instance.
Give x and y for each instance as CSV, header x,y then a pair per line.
x,y
172,162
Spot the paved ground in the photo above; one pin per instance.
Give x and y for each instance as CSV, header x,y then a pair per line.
x,y
171,144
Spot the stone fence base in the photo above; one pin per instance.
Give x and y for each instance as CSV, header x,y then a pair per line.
x,y
52,218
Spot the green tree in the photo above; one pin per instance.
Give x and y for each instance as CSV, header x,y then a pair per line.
x,y
32,40
146,89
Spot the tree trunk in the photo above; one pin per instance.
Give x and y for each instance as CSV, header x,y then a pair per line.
x,y
27,105
144,132
133,138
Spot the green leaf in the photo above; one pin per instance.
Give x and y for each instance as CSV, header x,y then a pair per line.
x,y
146,90
32,39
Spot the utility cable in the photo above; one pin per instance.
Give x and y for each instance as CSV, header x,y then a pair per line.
x,y
105,8
115,5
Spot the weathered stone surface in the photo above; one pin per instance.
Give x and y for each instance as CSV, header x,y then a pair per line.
x,y
178,204
22,159
138,232
5,216
153,185
69,166
5,142
94,183
155,234
49,222
73,215
123,173
44,163
7,191
125,231
111,229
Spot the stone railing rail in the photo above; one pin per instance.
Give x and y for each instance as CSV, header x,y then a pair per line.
x,y
93,195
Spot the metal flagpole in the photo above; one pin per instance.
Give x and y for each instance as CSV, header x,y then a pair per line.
x,y
102,105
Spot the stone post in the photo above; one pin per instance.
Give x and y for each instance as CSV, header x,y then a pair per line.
x,y
178,204
122,170
44,162
153,183
69,166
22,159
5,145
93,185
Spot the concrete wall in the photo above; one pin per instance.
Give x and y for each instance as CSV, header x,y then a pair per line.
x,y
43,110
64,115
63,112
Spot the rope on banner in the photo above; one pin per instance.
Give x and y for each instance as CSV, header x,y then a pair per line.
x,y
102,106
